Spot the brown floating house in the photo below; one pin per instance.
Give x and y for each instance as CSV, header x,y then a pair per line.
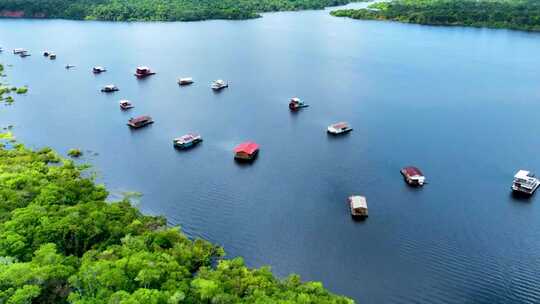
x,y
140,121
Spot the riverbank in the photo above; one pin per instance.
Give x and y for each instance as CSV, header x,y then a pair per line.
x,y
510,14
164,10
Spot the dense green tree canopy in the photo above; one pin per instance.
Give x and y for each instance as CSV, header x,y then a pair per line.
x,y
61,242
156,10
512,14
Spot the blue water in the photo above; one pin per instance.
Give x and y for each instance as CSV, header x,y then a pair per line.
x,y
460,103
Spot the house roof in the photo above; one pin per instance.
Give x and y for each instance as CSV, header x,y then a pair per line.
x,y
140,119
340,125
523,174
358,201
413,171
247,147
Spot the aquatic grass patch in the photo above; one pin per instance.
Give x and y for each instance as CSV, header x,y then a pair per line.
x,y
75,153
6,90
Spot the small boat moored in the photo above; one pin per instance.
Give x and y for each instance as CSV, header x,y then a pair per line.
x,y
140,121
143,71
69,66
46,53
413,176
125,104
187,141
185,81
109,88
219,84
52,56
525,182
19,51
339,128
296,104
98,69
246,151
358,205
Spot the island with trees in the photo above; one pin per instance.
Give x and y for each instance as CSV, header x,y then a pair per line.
x,y
155,10
510,14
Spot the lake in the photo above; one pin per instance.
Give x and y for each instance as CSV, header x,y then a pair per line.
x,y
460,103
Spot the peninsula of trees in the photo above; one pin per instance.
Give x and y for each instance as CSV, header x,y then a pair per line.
x,y
155,10
510,14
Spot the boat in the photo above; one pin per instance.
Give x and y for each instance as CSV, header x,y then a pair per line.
x,y
525,182
18,51
296,104
358,205
98,69
413,176
24,54
246,151
69,66
143,71
219,84
125,104
46,53
339,128
187,141
109,88
185,81
52,56
140,121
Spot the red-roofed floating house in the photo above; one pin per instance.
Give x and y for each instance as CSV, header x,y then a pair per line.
x,y
246,151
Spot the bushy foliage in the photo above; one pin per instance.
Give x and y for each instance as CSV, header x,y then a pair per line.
x,y
158,10
512,14
61,242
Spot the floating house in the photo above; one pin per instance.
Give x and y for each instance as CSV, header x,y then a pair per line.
x,y
246,151
125,104
339,128
296,104
52,56
219,85
358,205
525,182
140,121
109,88
413,176
19,51
187,141
185,81
143,71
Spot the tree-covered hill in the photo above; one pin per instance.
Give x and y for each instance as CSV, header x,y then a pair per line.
x,y
155,10
511,14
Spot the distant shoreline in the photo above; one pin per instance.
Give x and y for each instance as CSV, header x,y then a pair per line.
x,y
523,15
167,10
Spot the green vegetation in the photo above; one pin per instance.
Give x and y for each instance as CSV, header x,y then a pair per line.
x,y
155,10
6,90
511,14
75,152
21,90
61,242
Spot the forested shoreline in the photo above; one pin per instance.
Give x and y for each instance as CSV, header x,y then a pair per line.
x,y
155,10
62,242
510,14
